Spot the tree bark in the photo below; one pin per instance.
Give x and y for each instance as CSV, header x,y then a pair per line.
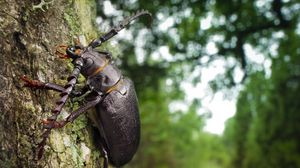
x,y
28,36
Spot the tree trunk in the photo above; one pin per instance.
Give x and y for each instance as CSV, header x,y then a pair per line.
x,y
28,37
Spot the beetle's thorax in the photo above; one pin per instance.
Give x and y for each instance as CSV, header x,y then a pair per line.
x,y
101,75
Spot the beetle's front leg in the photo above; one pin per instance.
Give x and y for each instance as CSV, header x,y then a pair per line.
x,y
49,123
78,93
36,84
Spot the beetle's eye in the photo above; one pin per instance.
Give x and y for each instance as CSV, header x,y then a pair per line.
x,y
88,62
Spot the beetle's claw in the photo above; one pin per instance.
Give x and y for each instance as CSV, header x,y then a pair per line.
x,y
40,151
49,124
45,121
35,84
61,51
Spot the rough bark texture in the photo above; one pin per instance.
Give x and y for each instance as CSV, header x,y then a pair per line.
x,y
28,36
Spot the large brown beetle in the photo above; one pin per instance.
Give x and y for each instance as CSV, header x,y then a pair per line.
x,y
113,96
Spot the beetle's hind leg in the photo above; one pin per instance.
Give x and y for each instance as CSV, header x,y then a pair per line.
x,y
50,123
36,84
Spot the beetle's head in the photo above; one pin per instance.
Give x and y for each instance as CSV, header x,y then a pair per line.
x,y
72,51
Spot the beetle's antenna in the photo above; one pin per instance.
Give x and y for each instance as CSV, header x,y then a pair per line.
x,y
112,32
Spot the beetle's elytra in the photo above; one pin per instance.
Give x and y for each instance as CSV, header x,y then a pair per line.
x,y
113,96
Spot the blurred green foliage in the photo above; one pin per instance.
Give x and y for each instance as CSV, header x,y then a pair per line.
x,y
265,131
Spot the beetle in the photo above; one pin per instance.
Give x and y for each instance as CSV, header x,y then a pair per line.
x,y
112,95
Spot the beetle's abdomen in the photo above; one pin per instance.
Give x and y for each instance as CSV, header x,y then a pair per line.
x,y
119,117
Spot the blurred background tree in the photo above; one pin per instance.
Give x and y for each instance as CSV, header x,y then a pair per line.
x,y
257,39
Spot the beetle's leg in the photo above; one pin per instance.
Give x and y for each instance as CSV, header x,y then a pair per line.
x,y
72,80
50,123
105,162
78,93
36,84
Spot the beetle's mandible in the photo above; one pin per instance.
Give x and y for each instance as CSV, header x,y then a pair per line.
x,y
112,94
